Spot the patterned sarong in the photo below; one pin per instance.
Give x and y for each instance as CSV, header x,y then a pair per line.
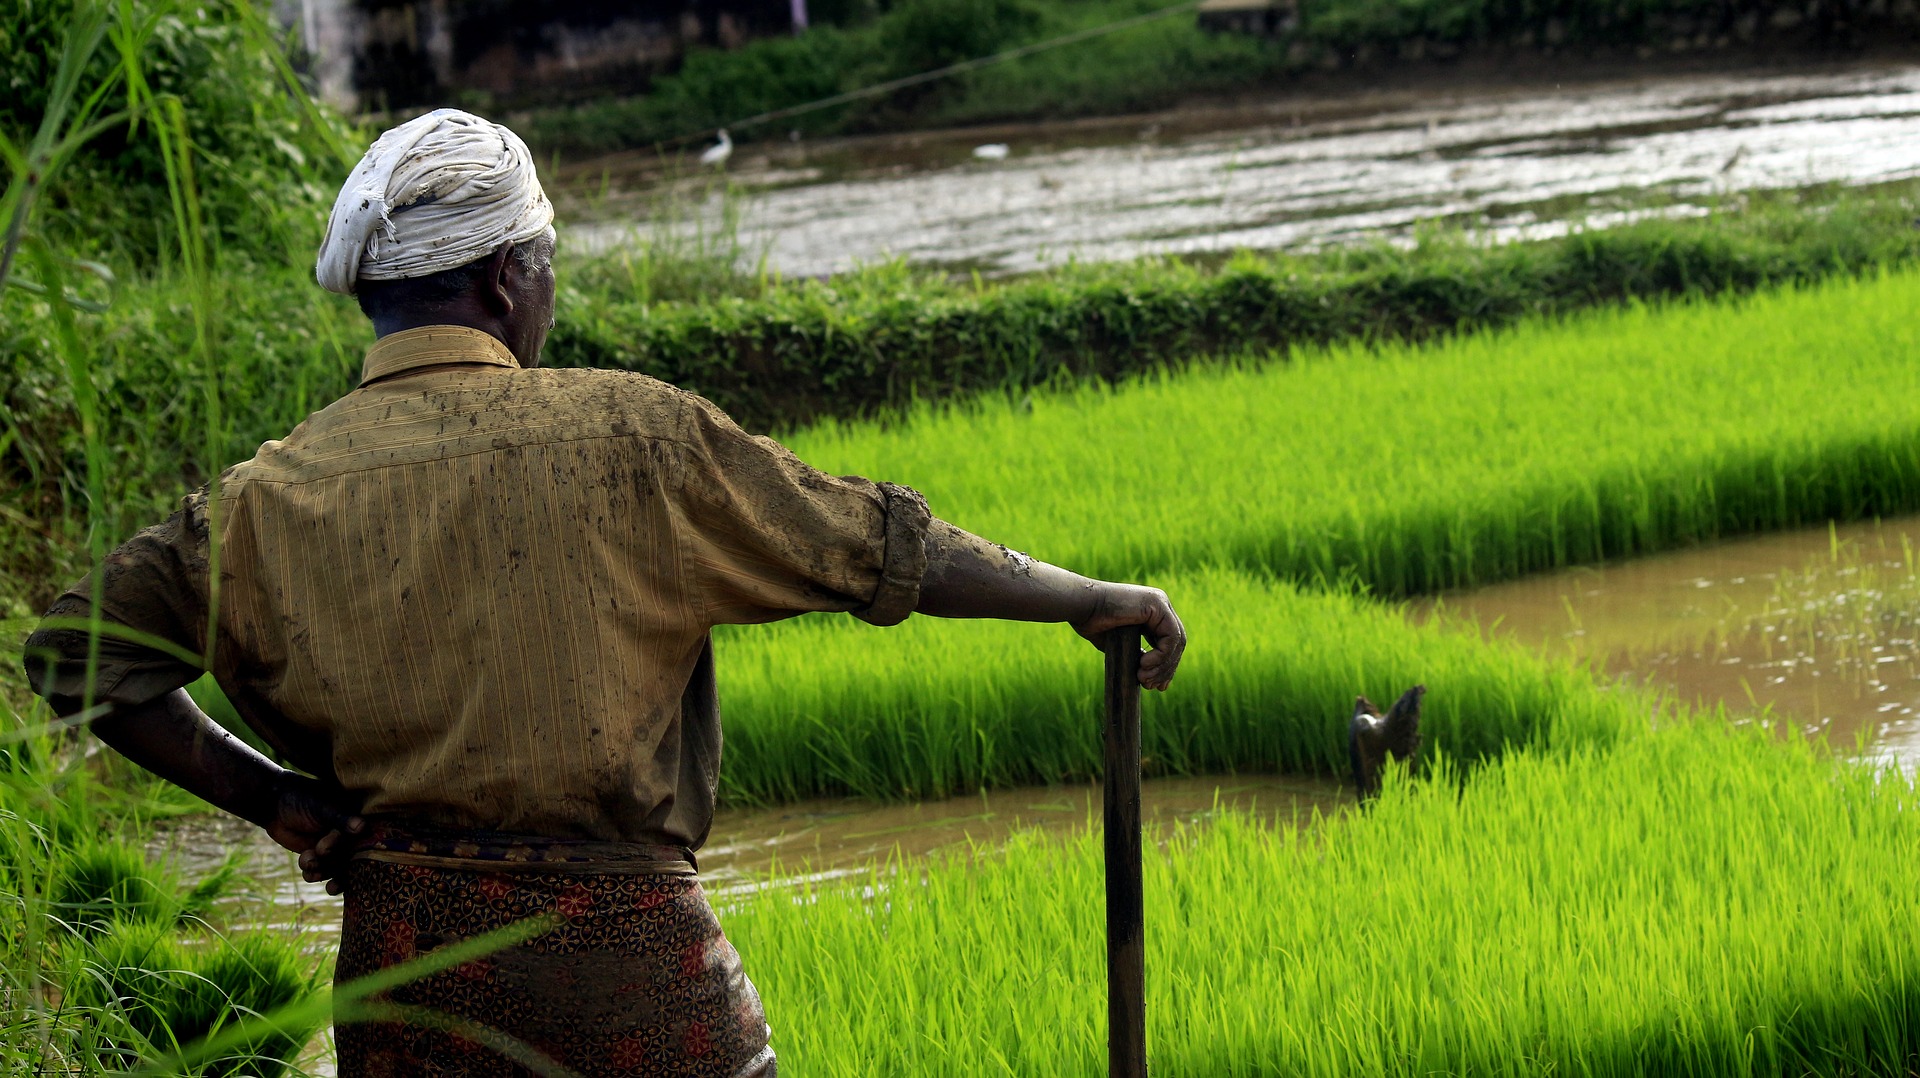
x,y
635,977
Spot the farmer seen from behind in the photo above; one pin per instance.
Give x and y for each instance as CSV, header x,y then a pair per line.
x,y
469,604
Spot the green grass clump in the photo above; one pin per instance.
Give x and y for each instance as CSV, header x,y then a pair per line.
x,y
106,957
263,157
1413,469
1701,900
154,996
100,881
937,708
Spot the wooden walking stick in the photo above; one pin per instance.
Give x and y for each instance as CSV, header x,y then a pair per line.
x,y
1126,956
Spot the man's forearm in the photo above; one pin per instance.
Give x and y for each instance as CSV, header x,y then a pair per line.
x,y
171,737
969,577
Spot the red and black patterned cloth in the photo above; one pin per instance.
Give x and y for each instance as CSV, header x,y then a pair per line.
x,y
634,978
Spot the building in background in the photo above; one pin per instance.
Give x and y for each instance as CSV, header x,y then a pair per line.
x,y
397,54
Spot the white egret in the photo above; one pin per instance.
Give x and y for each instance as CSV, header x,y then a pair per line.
x,y
718,153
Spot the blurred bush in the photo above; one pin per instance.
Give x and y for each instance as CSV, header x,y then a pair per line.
x,y
265,161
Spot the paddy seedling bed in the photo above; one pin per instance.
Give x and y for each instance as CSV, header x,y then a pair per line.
x,y
1412,469
1402,470
1699,901
934,708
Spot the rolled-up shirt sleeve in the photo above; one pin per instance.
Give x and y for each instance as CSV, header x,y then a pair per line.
x,y
769,536
153,584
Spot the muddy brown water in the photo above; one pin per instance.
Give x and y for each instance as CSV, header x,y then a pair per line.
x,y
1819,629
819,840
1298,172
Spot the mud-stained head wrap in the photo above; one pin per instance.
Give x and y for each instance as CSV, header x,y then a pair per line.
x,y
438,191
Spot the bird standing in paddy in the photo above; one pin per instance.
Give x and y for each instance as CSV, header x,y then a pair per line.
x,y
1373,737
717,154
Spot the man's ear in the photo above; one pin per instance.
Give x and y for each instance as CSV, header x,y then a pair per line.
x,y
496,291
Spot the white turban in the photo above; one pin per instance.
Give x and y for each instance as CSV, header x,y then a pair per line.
x,y
439,191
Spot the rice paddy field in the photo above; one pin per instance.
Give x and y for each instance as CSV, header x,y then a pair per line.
x,y
1702,900
1388,471
932,709
1580,878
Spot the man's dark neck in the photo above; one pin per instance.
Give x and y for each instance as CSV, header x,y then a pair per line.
x,y
452,314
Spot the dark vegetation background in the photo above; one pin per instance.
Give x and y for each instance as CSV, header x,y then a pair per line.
x,y
858,43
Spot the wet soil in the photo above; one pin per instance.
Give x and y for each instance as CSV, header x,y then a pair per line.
x,y
1289,172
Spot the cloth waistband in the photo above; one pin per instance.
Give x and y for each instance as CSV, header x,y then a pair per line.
x,y
494,851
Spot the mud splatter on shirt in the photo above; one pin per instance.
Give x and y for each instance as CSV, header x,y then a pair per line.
x,y
480,596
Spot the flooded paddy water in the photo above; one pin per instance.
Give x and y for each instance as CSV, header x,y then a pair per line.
x,y
1819,629
816,840
1294,172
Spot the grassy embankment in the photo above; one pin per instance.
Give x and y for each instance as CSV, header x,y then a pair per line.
x,y
1403,470
858,44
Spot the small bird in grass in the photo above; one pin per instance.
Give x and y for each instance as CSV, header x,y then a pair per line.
x,y
718,153
1372,736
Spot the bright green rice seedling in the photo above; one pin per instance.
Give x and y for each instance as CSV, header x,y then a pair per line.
x,y
154,995
100,881
1702,900
1420,468
934,708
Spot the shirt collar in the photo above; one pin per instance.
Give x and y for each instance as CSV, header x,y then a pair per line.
x,y
428,346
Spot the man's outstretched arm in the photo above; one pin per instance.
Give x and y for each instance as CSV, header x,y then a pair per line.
x,y
969,577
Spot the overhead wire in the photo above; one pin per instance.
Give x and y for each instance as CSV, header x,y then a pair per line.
x,y
882,88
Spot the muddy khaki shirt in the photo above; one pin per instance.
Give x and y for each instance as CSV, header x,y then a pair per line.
x,y
480,595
